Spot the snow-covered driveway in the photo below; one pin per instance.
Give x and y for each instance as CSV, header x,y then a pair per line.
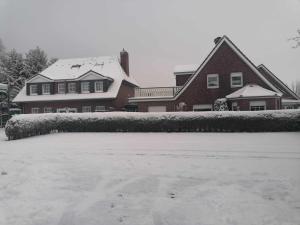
x,y
151,178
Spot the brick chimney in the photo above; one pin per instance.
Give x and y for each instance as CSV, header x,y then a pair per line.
x,y
217,39
124,61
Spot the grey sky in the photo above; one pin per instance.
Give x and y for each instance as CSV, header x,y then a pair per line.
x,y
158,34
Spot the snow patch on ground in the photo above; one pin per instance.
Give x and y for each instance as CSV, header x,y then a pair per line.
x,y
151,178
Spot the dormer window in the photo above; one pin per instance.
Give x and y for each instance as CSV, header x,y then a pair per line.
x,y
33,89
236,80
99,86
85,87
71,87
61,88
46,89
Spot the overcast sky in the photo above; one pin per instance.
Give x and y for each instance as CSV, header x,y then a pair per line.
x,y
158,34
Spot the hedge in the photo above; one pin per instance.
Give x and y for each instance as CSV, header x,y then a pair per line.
x,y
21,126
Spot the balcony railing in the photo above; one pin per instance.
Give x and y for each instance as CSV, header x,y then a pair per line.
x,y
156,92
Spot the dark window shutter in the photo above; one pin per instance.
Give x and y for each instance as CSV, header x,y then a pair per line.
x,y
92,86
52,88
105,85
78,87
28,89
66,88
39,89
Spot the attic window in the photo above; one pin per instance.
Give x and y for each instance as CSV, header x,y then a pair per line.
x,y
76,66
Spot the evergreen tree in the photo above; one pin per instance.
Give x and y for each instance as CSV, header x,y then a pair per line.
x,y
12,66
35,61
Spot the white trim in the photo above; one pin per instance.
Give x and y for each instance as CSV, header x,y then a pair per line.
x,y
236,74
82,86
35,110
160,99
278,80
212,76
39,79
30,90
253,97
58,88
95,85
43,89
225,39
94,76
257,104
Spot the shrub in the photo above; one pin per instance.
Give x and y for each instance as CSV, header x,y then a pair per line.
x,y
20,126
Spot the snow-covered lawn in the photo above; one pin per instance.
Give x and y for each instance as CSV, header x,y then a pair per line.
x,y
151,178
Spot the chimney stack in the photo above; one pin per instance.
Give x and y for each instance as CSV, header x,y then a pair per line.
x,y
124,61
217,39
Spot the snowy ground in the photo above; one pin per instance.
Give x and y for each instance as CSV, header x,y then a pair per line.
x,y
151,178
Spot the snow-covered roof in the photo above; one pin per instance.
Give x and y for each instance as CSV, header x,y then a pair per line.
x,y
191,68
68,69
252,90
3,86
74,69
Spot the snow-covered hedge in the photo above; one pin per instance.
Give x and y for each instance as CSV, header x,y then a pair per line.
x,y
20,126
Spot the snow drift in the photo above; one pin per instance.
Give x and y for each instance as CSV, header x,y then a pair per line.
x,y
26,125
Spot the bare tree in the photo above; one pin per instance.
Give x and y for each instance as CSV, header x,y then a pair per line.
x,y
296,39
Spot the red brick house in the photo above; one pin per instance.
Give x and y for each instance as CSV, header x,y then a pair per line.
x,y
225,73
79,85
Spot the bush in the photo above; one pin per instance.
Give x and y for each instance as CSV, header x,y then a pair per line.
x,y
20,126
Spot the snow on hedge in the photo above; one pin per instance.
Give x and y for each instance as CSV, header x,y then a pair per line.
x,y
26,125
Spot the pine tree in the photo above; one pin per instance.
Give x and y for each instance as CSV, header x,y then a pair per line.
x,y
35,61
12,66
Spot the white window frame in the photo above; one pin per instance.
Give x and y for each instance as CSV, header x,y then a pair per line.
x,y
44,89
61,88
237,74
72,87
257,104
35,110
213,76
234,105
86,108
85,87
47,110
100,108
100,82
31,89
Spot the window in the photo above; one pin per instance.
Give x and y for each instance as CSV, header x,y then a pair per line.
x,y
46,89
86,108
61,88
33,89
85,87
202,107
236,79
100,108
257,105
35,110
47,110
99,86
71,87
235,107
212,81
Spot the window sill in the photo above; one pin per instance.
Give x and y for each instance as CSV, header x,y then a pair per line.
x,y
212,87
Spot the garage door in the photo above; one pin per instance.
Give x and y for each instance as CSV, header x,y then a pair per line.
x,y
157,108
